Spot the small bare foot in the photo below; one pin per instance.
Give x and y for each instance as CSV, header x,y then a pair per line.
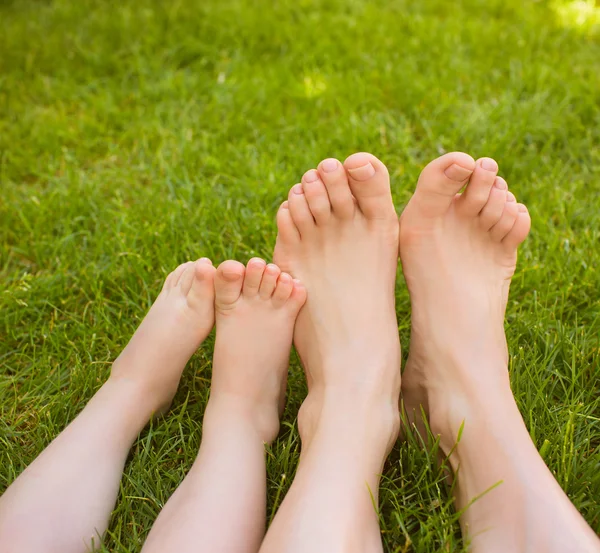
x,y
256,309
338,233
459,252
178,322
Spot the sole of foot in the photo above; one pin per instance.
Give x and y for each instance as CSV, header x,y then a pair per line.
x,y
178,322
459,253
338,233
255,308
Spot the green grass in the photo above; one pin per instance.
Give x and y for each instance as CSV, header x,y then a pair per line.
x,y
135,135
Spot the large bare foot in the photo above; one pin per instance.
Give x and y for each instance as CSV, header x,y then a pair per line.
x,y
459,252
256,309
338,234
178,322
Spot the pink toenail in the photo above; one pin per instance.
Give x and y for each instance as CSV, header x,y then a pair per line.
x,y
311,176
500,184
522,208
231,276
329,165
285,205
271,268
489,164
458,173
297,189
362,173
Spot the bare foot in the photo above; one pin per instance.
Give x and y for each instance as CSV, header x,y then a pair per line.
x,y
256,309
178,322
338,233
459,252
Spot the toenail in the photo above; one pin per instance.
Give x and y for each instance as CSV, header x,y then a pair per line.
x,y
285,205
297,283
232,276
362,173
329,165
204,260
271,268
458,173
311,176
500,184
522,208
256,262
511,197
489,164
297,189
285,278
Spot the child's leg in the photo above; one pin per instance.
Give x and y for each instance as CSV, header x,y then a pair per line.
x,y
221,504
62,502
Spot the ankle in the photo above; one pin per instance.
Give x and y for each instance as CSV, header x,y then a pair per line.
x,y
224,410
370,421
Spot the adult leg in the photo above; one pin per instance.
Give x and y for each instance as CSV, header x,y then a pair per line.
x,y
459,253
62,502
338,233
221,504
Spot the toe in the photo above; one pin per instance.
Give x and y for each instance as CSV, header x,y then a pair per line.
x,y
298,296
283,290
370,184
492,210
300,211
254,273
478,190
228,284
316,196
520,229
286,228
506,222
173,277
440,181
203,283
334,178
269,281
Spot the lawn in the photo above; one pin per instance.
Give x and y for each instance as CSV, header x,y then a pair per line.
x,y
137,134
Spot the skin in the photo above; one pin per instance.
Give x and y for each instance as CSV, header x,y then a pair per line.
x,y
338,233
68,492
459,253
221,504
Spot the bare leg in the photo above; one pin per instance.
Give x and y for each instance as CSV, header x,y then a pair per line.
x,y
221,504
338,233
459,253
62,502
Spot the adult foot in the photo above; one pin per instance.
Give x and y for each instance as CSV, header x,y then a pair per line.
x,y
458,252
338,233
177,323
256,308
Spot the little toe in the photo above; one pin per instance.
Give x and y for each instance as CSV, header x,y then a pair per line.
x,y
254,273
283,290
506,222
480,185
228,284
286,228
370,184
492,210
440,181
316,196
300,211
269,281
298,296
519,231
334,177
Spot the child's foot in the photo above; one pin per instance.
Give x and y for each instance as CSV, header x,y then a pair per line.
x,y
338,233
178,322
256,309
458,252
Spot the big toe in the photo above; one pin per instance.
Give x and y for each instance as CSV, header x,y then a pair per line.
x,y
370,184
440,181
228,284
